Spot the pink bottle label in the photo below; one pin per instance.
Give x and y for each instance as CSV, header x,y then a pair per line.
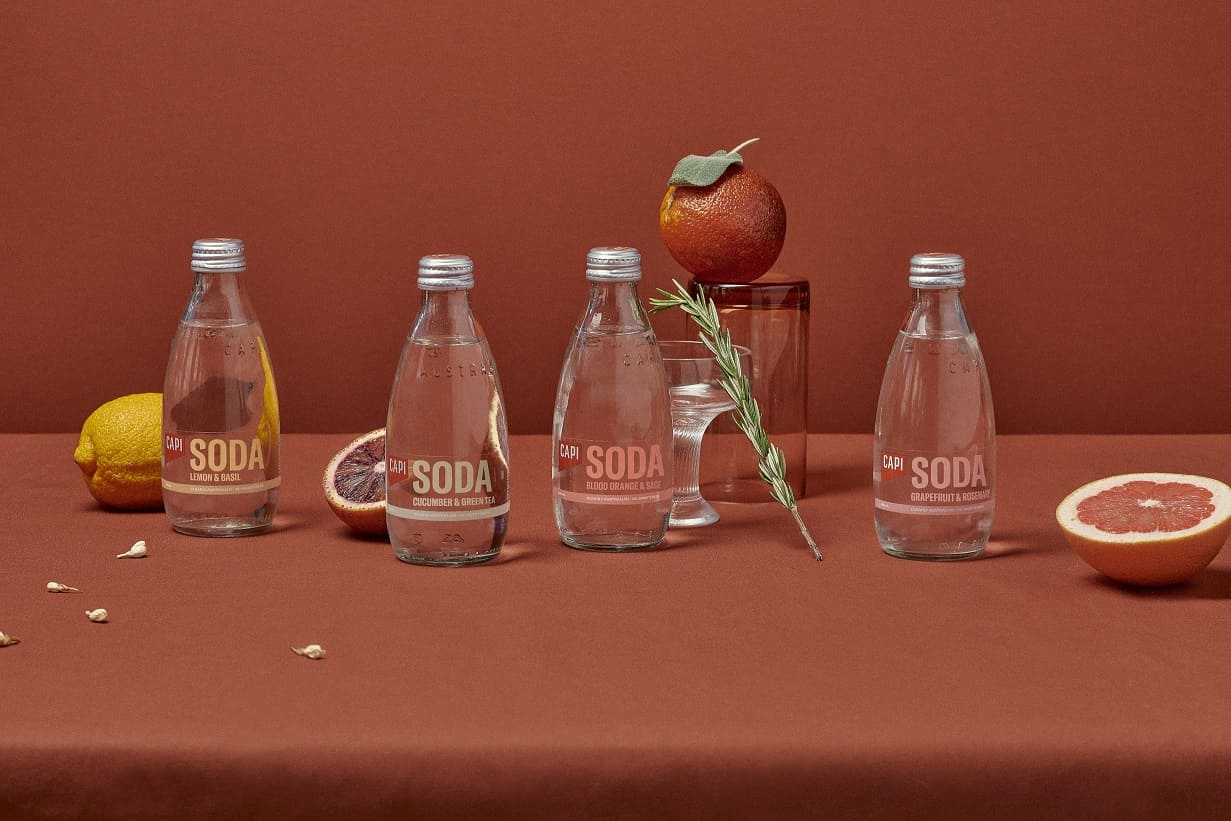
x,y
614,474
922,483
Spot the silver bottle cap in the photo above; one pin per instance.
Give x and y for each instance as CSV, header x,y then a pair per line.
x,y
937,270
218,254
613,264
446,272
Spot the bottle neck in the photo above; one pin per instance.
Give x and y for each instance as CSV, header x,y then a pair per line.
x,y
614,307
445,316
937,312
219,296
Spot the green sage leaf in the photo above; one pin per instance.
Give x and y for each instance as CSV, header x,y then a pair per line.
x,y
698,171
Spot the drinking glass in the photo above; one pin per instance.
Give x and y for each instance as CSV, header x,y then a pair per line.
x,y
770,316
696,398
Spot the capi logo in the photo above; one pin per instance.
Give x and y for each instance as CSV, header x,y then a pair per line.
x,y
937,472
893,465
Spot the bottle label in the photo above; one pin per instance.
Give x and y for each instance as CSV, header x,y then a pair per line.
x,y
207,465
924,484
611,474
445,489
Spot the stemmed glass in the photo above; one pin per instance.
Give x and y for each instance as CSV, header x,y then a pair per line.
x,y
696,399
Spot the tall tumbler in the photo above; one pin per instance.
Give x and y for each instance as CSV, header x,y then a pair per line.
x,y
769,316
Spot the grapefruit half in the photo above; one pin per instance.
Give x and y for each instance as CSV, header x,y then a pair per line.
x,y
1148,528
355,483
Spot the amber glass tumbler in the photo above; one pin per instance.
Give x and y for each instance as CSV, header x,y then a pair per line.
x,y
770,316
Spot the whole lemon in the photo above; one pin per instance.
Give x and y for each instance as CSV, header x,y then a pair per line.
x,y
120,452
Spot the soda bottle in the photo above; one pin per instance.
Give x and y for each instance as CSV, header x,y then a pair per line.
x,y
934,458
220,457
446,439
611,435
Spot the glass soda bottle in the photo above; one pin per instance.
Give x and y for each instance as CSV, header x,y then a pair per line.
x,y
611,435
220,456
446,439
934,457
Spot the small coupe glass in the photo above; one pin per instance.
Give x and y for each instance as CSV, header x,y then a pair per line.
x,y
696,399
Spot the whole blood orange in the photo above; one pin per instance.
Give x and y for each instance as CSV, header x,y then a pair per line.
x,y
730,229
1148,528
355,483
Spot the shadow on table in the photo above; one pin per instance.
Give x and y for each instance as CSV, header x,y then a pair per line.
x,y
687,538
91,505
1013,543
284,523
361,538
519,550
509,551
1211,583
732,530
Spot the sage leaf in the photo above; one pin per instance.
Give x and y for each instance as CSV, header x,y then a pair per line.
x,y
698,171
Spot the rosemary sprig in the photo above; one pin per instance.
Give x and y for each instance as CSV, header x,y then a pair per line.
x,y
771,460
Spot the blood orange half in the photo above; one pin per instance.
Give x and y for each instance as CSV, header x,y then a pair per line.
x,y
355,483
1148,528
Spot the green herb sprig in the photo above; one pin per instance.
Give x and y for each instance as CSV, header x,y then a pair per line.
x,y
771,460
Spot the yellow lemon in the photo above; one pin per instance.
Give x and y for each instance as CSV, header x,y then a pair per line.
x,y
120,452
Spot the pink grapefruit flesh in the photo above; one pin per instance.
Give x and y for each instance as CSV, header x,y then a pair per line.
x,y
1148,528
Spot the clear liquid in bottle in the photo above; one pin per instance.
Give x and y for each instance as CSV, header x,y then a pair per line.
x,y
934,464
611,435
221,431
446,439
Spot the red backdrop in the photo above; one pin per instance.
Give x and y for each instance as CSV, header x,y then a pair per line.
x,y
1076,154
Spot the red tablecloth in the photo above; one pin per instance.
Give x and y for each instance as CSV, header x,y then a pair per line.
x,y
727,675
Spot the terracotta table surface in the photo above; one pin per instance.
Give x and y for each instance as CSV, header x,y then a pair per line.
x,y
726,675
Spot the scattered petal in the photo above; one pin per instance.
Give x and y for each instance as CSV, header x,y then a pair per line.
x,y
6,640
99,615
56,587
137,551
312,651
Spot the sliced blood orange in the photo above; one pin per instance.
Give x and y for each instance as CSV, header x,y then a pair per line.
x,y
355,483
1148,528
